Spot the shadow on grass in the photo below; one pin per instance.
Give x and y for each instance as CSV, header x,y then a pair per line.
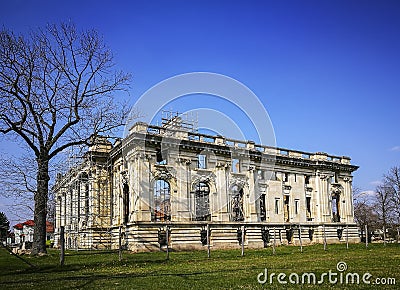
x,y
81,267
90,278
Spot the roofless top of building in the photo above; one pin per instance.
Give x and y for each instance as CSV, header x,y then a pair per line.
x,y
181,126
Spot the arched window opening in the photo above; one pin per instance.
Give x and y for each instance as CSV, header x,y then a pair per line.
x,y
308,208
202,202
237,204
83,205
262,207
160,156
286,208
335,207
125,200
162,201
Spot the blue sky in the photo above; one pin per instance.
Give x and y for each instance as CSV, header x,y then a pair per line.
x,y
328,72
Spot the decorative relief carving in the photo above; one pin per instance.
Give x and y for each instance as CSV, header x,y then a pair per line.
x,y
262,187
185,161
240,181
224,165
336,189
164,172
203,176
286,187
204,179
347,179
124,176
262,183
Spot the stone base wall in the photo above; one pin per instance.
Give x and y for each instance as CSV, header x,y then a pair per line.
x,y
85,239
187,236
144,237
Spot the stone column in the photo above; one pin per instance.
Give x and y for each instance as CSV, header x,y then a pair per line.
x,y
181,199
250,206
323,212
347,198
143,186
221,173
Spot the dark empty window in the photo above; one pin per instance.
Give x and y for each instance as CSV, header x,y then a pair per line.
x,y
235,166
277,206
162,201
202,202
286,208
336,208
201,161
160,158
237,204
285,177
308,207
262,207
125,201
87,200
296,206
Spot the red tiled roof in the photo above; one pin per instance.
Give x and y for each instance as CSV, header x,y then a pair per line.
x,y
18,226
31,223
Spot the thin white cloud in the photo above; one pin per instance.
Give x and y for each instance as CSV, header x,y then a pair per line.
x,y
395,149
368,193
376,182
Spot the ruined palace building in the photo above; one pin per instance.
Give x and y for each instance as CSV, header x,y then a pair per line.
x,y
171,184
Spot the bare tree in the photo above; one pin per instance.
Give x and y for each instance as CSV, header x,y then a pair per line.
x,y
383,206
364,213
4,227
57,89
18,183
391,182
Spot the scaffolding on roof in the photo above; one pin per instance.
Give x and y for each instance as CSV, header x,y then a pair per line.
x,y
179,121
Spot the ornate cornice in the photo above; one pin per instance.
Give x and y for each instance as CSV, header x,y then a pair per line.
x,y
164,172
239,180
336,189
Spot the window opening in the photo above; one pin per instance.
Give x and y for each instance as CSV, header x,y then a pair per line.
x,y
162,201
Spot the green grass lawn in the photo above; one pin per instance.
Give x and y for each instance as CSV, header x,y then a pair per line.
x,y
225,269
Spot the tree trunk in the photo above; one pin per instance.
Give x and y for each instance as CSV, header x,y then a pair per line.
x,y
41,197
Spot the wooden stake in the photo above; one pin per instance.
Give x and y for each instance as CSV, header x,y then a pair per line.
x,y
301,244
120,244
167,237
243,240
62,245
208,241
273,245
384,236
323,227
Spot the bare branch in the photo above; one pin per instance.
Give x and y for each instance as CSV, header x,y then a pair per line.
x,y
57,90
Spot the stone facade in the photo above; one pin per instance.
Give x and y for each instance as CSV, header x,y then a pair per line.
x,y
200,187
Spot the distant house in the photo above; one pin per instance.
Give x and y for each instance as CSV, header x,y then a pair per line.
x,y
24,231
